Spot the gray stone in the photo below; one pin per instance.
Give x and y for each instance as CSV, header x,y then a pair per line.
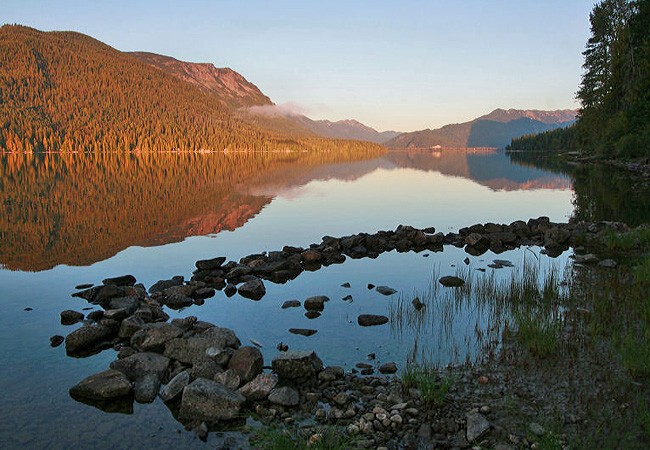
x,y
178,301
146,388
139,365
210,264
303,331
161,285
229,378
291,304
152,337
193,349
385,290
368,320
175,386
284,396
68,317
477,426
589,258
130,326
259,387
210,401
297,365
106,385
608,263
87,338
253,289
316,303
451,281
247,362
331,373
124,280
129,303
388,368
206,368
185,323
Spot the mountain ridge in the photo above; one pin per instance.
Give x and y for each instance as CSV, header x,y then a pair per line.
x,y
495,129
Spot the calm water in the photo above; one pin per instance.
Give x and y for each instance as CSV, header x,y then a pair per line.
x,y
66,220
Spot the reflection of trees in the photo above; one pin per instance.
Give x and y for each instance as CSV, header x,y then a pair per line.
x,y
601,192
81,208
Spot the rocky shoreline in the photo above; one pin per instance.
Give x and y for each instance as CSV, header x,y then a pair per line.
x,y
207,378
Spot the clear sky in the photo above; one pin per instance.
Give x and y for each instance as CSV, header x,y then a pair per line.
x,y
401,65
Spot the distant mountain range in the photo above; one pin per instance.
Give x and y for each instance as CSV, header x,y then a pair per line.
x,y
345,129
495,129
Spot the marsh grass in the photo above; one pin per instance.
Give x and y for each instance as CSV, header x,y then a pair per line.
x,y
433,388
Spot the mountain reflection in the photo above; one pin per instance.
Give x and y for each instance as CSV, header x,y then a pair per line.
x,y
78,209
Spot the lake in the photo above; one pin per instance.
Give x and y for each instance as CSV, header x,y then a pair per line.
x,y
79,218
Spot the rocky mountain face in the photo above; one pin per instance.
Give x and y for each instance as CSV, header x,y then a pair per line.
x,y
495,129
230,87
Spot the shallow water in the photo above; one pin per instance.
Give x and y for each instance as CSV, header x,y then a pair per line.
x,y
79,218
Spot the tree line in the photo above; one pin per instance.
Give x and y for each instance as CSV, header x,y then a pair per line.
x,y
614,118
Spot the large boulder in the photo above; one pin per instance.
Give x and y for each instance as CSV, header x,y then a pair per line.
x,y
247,362
138,365
107,385
259,387
69,317
146,388
152,337
193,349
161,285
253,289
210,401
284,396
210,264
87,338
297,365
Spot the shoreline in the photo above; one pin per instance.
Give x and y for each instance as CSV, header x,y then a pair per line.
x,y
188,357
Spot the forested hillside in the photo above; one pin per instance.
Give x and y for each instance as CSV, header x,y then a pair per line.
x,y
614,120
67,92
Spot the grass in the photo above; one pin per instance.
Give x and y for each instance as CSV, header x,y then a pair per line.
x,y
540,336
281,438
433,389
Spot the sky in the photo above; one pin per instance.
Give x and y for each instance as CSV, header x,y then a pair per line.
x,y
404,66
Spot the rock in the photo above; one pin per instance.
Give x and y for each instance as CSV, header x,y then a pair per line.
x,y
347,298
210,401
152,337
83,286
201,431
297,365
451,281
161,285
477,426
311,256
106,385
466,261
331,373
303,331
312,314
230,290
193,349
229,378
69,317
259,387
253,289
387,368
221,356
417,304
316,303
146,388
210,264
56,340
247,362
139,365
130,326
368,320
346,285
207,368
124,280
385,290
291,304
474,239
608,263
284,396
589,258
175,386
178,301
87,338
370,286
503,262
185,324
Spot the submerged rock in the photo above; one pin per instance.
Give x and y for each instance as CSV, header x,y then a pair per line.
x,y
385,290
316,303
291,304
303,331
451,281
368,320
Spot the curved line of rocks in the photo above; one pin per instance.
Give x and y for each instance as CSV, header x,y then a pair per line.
x,y
204,374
